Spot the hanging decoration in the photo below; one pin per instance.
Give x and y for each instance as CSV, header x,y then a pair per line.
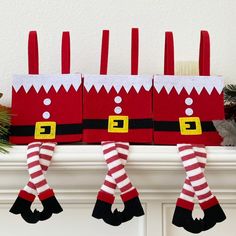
x,y
184,110
117,111
47,109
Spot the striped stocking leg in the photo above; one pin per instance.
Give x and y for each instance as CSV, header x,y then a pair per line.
x,y
185,202
106,195
213,213
45,154
38,159
45,193
25,198
129,194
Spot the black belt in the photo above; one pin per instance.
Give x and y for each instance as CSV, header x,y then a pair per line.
x,y
103,124
61,129
207,126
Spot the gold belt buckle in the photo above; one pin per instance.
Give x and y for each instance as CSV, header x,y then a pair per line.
x,y
118,124
45,130
190,126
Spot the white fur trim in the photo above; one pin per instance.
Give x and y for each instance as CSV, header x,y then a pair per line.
x,y
118,82
188,82
46,81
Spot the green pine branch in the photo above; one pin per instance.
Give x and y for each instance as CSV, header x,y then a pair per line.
x,y
4,145
230,94
4,129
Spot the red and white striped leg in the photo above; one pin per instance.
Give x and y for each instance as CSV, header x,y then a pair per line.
x,y
109,185
185,202
26,197
45,193
213,213
105,197
39,158
45,153
129,194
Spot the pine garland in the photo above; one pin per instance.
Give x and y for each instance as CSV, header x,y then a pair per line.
x,y
227,128
230,101
230,94
4,128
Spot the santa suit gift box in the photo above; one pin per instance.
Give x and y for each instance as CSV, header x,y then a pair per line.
x,y
117,110
185,106
117,107
46,107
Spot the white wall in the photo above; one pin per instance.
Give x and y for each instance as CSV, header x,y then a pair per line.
x,y
86,18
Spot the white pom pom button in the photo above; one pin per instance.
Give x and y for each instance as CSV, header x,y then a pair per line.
x,y
47,101
188,101
189,111
46,115
118,110
118,99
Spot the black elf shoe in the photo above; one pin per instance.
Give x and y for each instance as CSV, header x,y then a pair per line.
x,y
213,215
183,218
102,210
50,206
22,206
132,208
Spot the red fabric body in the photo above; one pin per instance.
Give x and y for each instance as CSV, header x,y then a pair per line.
x,y
170,107
101,105
65,108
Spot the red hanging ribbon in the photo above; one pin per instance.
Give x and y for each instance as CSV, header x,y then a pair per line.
x,y
169,63
65,53
104,52
204,54
33,56
134,51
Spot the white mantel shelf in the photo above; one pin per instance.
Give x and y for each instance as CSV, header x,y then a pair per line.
x,y
77,172
140,157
